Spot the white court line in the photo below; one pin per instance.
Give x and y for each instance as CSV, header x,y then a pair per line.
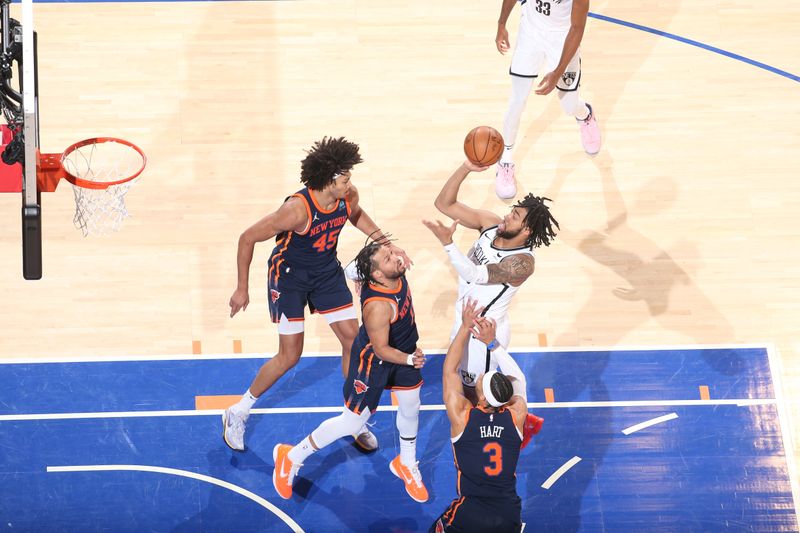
x,y
183,473
338,409
648,423
776,370
560,472
518,350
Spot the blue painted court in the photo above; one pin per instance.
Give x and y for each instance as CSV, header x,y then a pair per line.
x,y
122,446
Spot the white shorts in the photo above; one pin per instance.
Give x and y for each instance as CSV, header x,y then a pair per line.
x,y
538,52
477,359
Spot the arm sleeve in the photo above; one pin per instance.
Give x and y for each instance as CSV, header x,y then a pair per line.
x,y
510,368
465,268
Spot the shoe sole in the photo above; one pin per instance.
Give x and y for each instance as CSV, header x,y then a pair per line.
x,y
391,467
361,446
224,437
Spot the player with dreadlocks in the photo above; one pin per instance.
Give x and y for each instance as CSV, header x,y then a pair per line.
x,y
499,262
304,270
384,355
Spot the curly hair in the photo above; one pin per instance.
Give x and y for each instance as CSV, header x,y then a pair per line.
x,y
538,220
326,159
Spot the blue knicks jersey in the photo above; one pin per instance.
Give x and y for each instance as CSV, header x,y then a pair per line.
x,y
486,455
403,333
314,248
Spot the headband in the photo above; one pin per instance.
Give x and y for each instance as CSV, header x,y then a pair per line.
x,y
487,390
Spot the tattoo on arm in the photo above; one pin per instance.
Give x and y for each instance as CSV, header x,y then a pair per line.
x,y
513,270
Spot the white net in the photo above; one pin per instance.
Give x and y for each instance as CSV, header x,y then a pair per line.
x,y
101,210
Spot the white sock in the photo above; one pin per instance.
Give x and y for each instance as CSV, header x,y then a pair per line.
x,y
298,454
507,154
245,404
408,451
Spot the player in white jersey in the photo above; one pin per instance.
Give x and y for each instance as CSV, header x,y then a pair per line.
x,y
498,263
548,43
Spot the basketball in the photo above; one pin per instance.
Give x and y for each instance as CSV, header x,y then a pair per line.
x,y
483,146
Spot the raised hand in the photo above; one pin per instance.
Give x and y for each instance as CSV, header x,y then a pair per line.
x,y
442,232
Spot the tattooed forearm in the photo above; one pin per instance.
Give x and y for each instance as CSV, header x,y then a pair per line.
x,y
513,270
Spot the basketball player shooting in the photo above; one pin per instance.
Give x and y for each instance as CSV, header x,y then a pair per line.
x,y
497,264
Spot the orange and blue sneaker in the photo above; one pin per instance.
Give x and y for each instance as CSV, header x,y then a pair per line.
x,y
532,426
412,478
285,471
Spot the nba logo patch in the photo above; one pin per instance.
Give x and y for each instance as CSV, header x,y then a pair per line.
x,y
360,386
274,295
569,78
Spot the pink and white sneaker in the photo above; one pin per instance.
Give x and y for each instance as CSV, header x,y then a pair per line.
x,y
504,184
590,133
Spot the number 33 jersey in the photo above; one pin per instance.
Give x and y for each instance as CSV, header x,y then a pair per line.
x,y
547,15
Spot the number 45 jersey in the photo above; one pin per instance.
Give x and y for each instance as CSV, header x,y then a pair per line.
x,y
314,248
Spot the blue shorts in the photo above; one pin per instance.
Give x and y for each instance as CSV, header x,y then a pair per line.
x,y
291,289
477,515
369,376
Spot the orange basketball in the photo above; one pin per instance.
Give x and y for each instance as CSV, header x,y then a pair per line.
x,y
483,146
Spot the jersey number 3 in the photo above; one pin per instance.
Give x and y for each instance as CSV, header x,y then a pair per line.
x,y
326,242
543,8
495,459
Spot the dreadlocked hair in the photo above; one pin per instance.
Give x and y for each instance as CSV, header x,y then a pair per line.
x,y
538,220
365,264
326,159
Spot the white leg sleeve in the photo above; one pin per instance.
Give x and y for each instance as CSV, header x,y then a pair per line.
x,y
340,426
520,90
407,412
573,105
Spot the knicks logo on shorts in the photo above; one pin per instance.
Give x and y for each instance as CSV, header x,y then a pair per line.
x,y
360,386
274,295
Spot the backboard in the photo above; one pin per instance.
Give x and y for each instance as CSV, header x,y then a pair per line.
x,y
19,102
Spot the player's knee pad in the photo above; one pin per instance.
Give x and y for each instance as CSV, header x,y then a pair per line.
x,y
408,404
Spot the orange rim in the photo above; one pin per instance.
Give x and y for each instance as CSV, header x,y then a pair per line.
x,y
86,184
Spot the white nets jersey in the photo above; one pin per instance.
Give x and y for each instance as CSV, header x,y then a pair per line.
x,y
547,15
495,298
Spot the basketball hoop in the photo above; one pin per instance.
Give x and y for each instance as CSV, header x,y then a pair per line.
x,y
101,171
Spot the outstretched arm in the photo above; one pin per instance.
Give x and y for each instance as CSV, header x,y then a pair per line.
x,y
455,402
291,216
514,269
447,201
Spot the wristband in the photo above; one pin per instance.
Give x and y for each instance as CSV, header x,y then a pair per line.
x,y
492,345
410,360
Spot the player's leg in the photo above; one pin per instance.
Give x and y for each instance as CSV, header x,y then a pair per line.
x,y
525,64
234,419
568,88
406,383
287,308
362,391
